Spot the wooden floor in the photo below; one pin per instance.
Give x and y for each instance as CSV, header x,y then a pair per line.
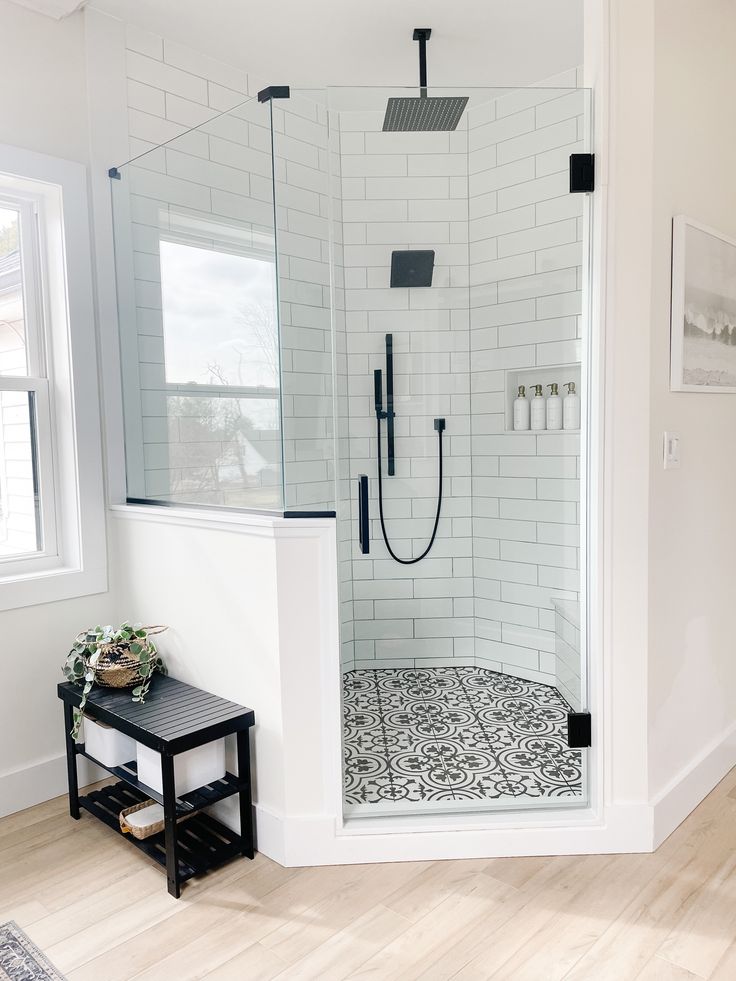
x,y
100,911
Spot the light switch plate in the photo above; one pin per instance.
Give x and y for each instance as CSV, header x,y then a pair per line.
x,y
671,451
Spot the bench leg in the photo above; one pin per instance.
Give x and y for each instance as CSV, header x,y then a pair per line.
x,y
172,848
71,762
245,797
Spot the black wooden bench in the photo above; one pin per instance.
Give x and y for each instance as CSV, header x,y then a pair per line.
x,y
174,718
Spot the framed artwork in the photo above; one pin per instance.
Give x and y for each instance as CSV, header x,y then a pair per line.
x,y
703,320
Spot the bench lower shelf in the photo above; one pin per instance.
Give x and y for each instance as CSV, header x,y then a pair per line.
x,y
204,843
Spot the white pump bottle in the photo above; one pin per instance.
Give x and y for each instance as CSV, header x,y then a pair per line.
x,y
554,408
571,408
521,411
538,410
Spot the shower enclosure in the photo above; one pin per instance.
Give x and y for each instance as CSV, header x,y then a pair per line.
x,y
323,314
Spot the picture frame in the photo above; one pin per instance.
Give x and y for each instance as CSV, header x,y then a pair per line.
x,y
703,309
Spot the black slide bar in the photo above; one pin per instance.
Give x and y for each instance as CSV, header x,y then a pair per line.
x,y
390,404
364,528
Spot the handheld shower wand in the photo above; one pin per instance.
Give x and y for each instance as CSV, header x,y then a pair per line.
x,y
388,415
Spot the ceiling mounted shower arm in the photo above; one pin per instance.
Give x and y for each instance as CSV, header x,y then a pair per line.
x,y
422,34
423,113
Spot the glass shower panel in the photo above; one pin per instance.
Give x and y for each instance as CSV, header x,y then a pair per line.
x,y
196,264
301,167
528,275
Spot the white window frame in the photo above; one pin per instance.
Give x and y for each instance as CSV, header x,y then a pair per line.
x,y
59,309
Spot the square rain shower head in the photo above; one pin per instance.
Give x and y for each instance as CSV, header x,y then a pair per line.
x,y
412,267
424,114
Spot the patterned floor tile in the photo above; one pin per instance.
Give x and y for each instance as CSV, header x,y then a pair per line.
x,y
440,734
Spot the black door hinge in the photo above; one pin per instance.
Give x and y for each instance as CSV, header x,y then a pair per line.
x,y
578,730
582,173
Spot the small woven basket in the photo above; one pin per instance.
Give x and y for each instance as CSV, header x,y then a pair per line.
x,y
145,830
117,666
139,832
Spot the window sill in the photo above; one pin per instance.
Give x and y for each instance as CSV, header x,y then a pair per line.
x,y
50,585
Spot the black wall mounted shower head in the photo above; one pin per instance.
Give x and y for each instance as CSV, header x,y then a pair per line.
x,y
423,113
412,267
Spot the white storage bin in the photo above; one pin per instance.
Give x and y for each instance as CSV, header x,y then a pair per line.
x,y
193,769
107,745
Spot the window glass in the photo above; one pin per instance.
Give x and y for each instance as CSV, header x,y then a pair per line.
x,y
12,318
213,449
19,524
219,315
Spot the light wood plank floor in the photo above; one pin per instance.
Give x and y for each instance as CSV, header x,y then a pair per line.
x,y
100,911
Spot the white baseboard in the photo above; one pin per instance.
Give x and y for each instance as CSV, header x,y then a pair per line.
x,y
41,782
315,840
692,784
300,841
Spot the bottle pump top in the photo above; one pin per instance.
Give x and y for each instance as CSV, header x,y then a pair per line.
x,y
538,391
553,388
522,391
570,388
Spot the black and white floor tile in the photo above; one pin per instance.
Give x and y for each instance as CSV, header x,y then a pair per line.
x,y
449,734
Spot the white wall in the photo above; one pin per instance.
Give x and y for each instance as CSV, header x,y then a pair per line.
x,y
43,90
692,524
43,108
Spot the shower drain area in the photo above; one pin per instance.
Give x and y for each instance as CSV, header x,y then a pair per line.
x,y
441,735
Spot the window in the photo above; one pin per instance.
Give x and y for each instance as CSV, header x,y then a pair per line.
x,y
51,497
221,375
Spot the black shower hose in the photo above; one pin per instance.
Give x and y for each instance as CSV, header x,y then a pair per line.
x,y
391,552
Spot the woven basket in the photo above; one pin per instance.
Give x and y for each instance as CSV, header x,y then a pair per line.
x,y
143,832
146,830
117,666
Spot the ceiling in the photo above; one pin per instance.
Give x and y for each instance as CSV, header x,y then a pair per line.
x,y
342,42
52,8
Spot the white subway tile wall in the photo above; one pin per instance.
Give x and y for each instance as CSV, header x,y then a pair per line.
x,y
396,194
301,160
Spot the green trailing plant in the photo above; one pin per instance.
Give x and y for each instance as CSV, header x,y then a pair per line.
x,y
122,657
